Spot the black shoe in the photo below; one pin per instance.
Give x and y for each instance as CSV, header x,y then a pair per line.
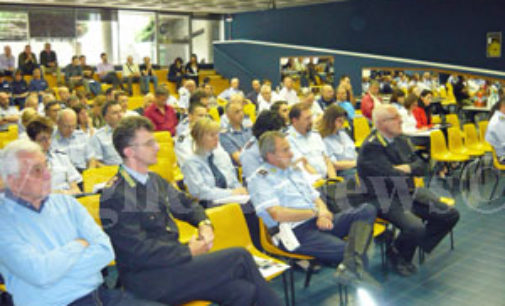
x,y
411,267
400,265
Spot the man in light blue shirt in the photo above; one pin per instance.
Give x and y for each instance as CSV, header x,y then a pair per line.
x,y
101,142
52,250
307,144
233,90
7,61
495,133
288,204
74,143
234,137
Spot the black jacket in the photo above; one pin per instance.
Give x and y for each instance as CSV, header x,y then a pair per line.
x,y
138,218
376,160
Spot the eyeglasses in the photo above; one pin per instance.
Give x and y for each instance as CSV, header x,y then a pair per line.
x,y
149,143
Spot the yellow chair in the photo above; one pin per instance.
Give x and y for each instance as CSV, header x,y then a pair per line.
x,y
135,102
439,151
214,113
92,204
163,137
221,102
250,111
456,144
472,139
451,99
361,130
94,176
482,135
168,159
453,120
435,119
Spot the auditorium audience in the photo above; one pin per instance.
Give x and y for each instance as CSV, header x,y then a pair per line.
x,y
49,61
27,61
131,73
19,89
176,72
192,70
147,75
107,74
74,74
7,61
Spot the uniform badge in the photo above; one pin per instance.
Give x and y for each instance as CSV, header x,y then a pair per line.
x,y
262,172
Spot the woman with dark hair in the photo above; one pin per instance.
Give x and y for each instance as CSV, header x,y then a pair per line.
x,y
397,100
84,122
192,68
176,72
422,112
339,146
409,122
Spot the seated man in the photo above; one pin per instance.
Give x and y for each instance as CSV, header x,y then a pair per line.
x,y
185,93
73,73
74,143
287,203
235,135
308,145
131,73
288,93
387,165
327,97
8,114
107,74
136,210
250,157
232,90
101,141
184,142
52,250
494,133
161,114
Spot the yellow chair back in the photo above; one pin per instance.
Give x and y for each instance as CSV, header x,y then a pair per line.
x,y
135,102
92,204
94,176
250,110
214,113
361,130
163,137
453,120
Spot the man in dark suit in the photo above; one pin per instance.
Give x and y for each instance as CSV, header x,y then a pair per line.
x,y
136,211
387,166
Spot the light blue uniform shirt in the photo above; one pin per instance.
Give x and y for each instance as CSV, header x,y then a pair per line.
x,y
76,147
310,146
495,133
103,148
347,106
227,93
62,171
200,180
270,186
250,157
339,146
40,260
234,140
183,148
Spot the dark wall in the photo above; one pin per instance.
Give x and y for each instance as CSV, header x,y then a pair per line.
x,y
446,31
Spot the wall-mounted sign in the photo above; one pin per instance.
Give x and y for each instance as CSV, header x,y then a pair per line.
x,y
493,44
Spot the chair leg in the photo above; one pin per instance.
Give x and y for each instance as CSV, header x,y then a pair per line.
x,y
421,255
452,240
310,270
292,285
340,295
286,291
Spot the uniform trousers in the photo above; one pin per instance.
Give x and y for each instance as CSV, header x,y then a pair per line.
x,y
226,277
423,225
329,246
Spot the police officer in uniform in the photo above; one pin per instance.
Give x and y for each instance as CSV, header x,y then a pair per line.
x,y
387,165
101,142
75,143
288,203
184,142
137,209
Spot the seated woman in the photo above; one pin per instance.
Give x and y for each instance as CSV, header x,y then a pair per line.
x,y
84,122
339,146
64,176
192,69
209,173
398,100
409,122
422,112
176,72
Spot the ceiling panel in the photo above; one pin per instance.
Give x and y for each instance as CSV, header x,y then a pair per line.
x,y
186,6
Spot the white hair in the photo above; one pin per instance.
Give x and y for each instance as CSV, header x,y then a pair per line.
x,y
265,87
381,111
64,111
9,164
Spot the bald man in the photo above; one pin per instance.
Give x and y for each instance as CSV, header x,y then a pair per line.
x,y
387,166
327,97
75,143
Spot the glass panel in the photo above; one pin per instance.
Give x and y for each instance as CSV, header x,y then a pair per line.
x,y
205,31
137,33
173,38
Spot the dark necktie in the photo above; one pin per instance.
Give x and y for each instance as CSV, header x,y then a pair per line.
x,y
218,176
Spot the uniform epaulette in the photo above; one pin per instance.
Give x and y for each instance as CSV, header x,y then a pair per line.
x,y
372,138
262,172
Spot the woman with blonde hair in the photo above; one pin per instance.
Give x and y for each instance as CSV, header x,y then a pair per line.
x,y
339,146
